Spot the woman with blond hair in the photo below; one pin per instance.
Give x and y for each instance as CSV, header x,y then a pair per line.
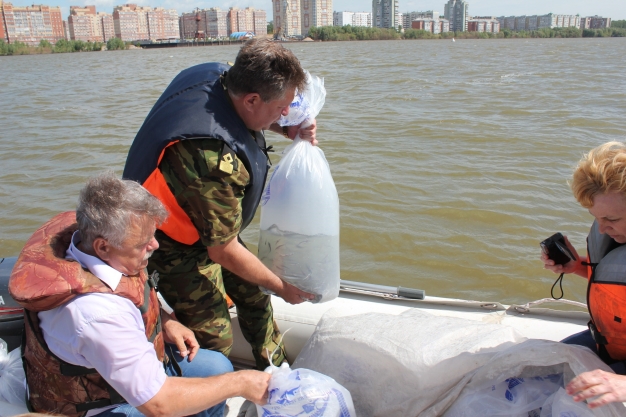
x,y
599,185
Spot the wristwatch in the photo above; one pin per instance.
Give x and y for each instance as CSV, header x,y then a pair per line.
x,y
285,132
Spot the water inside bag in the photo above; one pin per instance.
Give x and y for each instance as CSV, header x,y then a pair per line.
x,y
310,263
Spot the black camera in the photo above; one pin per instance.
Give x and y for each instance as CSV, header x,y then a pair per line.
x,y
557,250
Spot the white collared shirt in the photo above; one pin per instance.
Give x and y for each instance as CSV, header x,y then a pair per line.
x,y
105,332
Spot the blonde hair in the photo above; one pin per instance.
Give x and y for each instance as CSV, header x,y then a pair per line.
x,y
601,171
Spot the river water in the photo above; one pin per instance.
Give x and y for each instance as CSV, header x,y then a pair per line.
x,y
451,159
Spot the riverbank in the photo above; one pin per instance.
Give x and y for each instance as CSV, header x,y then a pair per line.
x,y
325,33
354,33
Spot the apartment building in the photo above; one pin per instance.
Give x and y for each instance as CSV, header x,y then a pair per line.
x,y
287,17
483,24
132,23
408,17
595,22
435,26
3,31
218,23
550,20
83,24
456,12
385,14
31,24
352,18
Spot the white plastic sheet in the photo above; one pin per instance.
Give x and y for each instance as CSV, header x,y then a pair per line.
x,y
299,236
12,388
417,364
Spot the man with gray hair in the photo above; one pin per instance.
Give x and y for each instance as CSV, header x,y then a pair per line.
x,y
97,341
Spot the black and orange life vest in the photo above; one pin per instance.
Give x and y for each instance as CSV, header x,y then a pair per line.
x,y
43,279
606,293
194,106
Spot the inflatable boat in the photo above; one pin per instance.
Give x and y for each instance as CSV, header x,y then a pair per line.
x,y
546,319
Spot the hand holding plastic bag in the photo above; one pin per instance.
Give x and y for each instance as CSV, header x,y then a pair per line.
x,y
302,392
299,239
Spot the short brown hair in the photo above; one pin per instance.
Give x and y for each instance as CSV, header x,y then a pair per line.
x,y
267,68
601,171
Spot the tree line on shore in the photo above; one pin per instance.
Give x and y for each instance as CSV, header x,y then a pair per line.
x,y
354,33
335,33
61,46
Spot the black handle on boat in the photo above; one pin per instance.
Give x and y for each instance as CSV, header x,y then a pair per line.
x,y
386,289
411,293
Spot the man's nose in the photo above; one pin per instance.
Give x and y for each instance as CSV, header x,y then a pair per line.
x,y
285,111
153,245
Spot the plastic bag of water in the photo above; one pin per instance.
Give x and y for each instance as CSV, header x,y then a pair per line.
x,y
299,239
302,392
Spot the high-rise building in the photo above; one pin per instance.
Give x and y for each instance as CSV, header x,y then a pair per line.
x,y
108,28
287,17
3,31
456,13
247,20
132,23
83,24
385,14
31,24
296,17
259,17
315,13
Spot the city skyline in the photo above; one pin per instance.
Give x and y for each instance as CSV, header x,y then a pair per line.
x,y
606,8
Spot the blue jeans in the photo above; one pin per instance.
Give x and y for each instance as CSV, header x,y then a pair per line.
x,y
584,338
206,363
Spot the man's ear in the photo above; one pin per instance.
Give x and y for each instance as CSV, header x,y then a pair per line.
x,y
251,101
102,248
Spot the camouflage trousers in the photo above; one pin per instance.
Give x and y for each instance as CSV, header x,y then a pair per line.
x,y
195,287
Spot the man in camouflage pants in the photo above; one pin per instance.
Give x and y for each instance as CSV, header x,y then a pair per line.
x,y
213,163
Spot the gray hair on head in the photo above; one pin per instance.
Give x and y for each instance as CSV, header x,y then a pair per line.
x,y
107,206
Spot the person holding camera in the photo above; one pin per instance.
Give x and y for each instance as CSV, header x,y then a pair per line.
x,y
599,185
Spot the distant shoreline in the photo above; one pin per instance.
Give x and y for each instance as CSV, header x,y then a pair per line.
x,y
321,34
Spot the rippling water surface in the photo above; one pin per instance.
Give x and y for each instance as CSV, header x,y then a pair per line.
x,y
450,159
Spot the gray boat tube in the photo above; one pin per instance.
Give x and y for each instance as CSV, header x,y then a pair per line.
x,y
385,289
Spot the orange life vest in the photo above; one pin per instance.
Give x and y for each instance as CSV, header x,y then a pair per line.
x,y
606,293
43,279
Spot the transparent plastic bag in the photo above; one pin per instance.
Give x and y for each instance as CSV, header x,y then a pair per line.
x,y
299,239
302,392
12,388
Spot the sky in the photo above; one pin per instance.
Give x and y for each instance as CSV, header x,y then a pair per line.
x,y
615,9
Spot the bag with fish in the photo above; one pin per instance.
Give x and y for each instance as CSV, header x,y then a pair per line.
x,y
299,238
302,392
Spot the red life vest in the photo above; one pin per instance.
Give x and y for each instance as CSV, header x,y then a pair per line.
x,y
606,293
43,279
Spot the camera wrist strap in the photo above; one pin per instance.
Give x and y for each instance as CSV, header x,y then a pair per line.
x,y
560,282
